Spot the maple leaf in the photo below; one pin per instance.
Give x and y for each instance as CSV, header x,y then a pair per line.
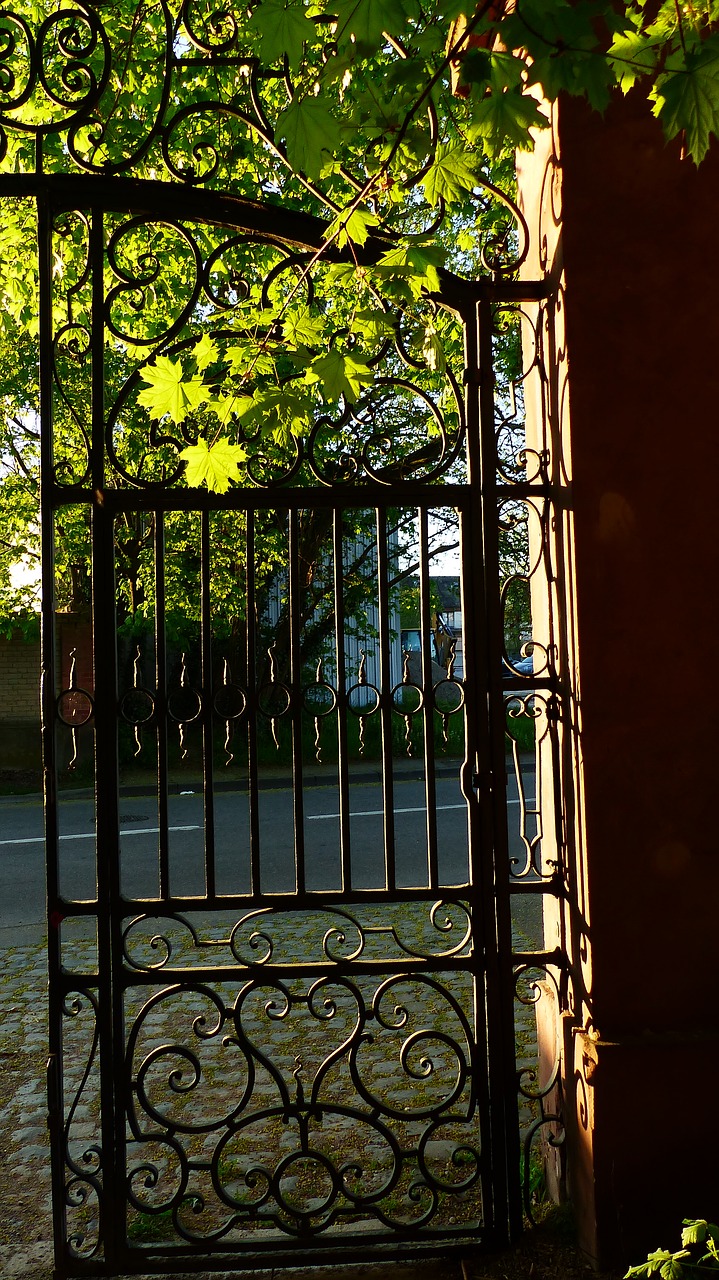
x,y
206,351
284,411
339,375
451,175
688,99
282,29
301,328
214,465
310,132
169,391
367,20
374,326
354,226
418,262
632,54
230,406
248,359
502,118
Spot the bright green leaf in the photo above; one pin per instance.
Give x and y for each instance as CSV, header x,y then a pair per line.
x,y
451,175
169,391
374,326
206,352
632,54
281,29
419,263
247,359
695,1231
230,406
214,465
503,119
310,132
354,226
673,1268
339,375
688,99
284,410
367,20
301,328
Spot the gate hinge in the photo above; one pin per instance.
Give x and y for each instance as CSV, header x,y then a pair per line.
x,y
483,781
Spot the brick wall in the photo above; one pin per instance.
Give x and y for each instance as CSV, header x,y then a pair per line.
x,y
19,679
20,744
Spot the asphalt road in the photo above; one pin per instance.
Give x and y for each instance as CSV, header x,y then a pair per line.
x,y
22,904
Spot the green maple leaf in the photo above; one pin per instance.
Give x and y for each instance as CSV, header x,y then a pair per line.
x,y
562,41
282,29
169,391
245,359
374,326
301,328
339,374
506,118
214,465
354,226
284,412
419,263
451,175
230,406
206,352
688,99
310,132
632,54
564,24
367,20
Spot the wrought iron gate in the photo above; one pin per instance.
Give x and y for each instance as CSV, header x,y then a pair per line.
x,y
281,1024
280,955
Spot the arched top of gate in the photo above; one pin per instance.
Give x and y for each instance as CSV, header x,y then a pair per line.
x,y
184,95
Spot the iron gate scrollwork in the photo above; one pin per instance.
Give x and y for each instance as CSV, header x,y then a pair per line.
x,y
277,1030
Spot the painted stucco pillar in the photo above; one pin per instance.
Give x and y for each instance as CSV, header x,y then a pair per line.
x,y
624,403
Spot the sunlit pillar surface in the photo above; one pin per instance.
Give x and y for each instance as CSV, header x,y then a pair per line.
x,y
624,400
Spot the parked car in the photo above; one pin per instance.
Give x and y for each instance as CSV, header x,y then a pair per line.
x,y
517,670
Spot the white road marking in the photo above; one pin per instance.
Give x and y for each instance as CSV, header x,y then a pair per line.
x,y
90,835
379,813
311,817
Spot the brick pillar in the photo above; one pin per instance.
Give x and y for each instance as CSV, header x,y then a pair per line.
x,y
625,232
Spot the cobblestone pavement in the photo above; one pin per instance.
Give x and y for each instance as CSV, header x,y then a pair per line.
x,y
25,1224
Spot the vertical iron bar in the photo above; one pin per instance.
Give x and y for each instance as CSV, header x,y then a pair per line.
x,y
106,778
342,707
253,794
295,604
476,788
207,753
430,781
385,666
47,695
161,707
501,984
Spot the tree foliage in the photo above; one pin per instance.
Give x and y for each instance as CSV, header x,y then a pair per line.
x,y
390,124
